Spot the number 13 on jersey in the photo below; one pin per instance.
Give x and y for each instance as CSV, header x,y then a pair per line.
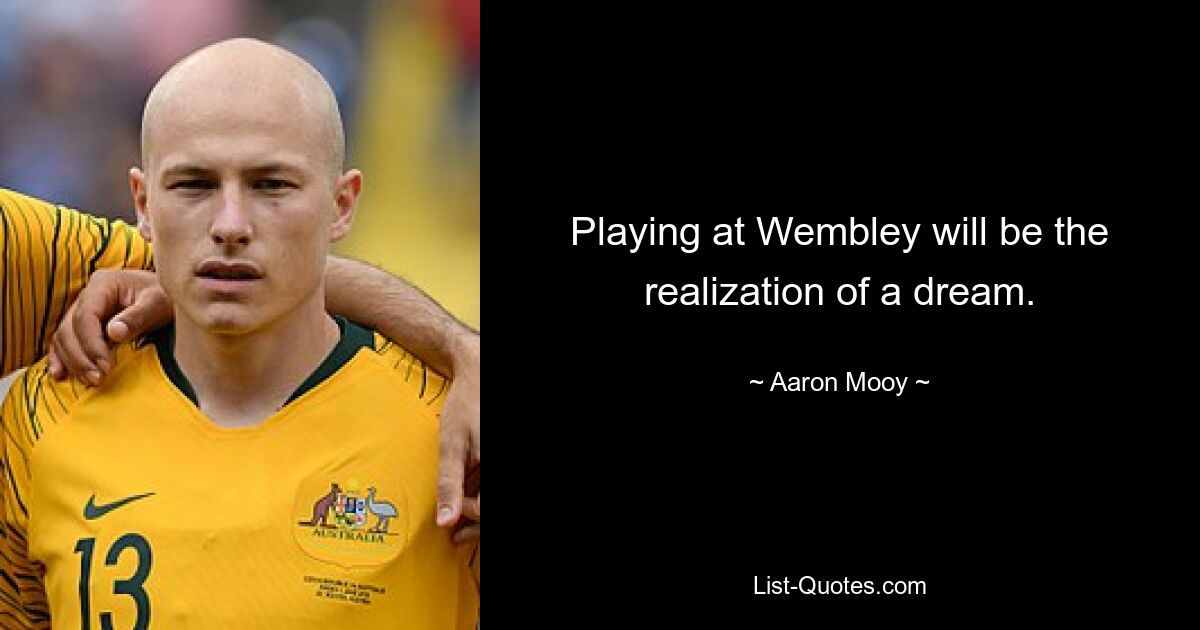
x,y
133,586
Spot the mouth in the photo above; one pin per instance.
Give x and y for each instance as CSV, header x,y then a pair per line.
x,y
225,272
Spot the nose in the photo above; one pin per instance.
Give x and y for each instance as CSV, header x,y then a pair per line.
x,y
231,225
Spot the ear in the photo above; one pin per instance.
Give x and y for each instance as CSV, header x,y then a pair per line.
x,y
345,196
137,187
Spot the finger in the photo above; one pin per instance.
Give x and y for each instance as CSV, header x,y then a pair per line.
x,y
471,482
470,508
465,535
88,329
117,329
75,361
54,365
473,443
83,325
150,310
452,452
56,361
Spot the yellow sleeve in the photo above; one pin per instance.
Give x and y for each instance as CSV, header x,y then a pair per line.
x,y
23,602
429,387
47,254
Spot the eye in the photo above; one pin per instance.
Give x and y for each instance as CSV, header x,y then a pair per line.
x,y
192,184
271,184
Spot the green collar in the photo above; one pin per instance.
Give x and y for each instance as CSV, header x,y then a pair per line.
x,y
353,337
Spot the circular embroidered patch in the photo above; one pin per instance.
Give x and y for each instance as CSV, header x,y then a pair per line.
x,y
350,521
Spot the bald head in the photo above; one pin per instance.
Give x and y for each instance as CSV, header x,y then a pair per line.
x,y
246,85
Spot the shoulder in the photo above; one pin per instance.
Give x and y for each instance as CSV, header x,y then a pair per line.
x,y
426,387
35,403
19,209
12,201
105,243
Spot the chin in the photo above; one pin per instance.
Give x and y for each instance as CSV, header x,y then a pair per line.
x,y
227,319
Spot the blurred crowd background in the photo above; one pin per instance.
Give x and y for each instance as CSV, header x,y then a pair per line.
x,y
75,73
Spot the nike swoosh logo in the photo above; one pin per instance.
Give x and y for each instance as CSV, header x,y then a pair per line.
x,y
91,511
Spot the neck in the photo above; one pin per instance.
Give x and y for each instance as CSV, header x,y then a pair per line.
x,y
240,380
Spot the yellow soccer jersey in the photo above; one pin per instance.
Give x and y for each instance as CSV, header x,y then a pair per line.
x,y
47,254
125,507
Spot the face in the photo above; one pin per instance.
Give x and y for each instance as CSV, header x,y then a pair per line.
x,y
241,204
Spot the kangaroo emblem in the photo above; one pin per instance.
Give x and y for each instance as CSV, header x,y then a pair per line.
x,y
322,506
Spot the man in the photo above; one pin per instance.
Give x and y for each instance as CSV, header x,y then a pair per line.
x,y
258,463
48,254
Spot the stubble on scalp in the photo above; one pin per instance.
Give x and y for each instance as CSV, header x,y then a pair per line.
x,y
242,67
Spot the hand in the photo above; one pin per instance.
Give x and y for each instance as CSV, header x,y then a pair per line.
x,y
467,529
460,445
135,302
